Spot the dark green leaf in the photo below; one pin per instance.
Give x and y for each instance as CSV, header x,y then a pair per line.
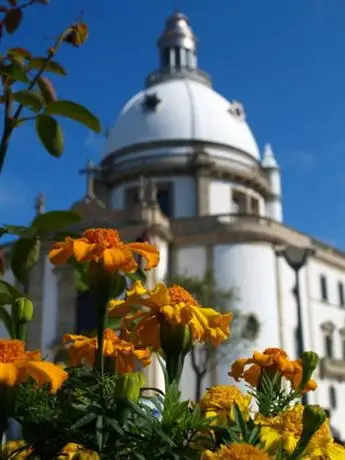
x,y
19,52
60,236
84,421
119,287
15,70
47,90
74,111
19,230
25,254
8,293
240,421
12,20
28,99
55,220
114,323
6,319
80,274
50,134
51,66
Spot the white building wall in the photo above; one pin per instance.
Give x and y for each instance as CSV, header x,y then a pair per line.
x,y
251,270
9,278
50,308
324,311
191,262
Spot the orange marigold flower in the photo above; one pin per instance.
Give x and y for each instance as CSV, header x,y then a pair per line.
x,y
219,402
104,246
18,365
172,305
236,451
82,350
272,360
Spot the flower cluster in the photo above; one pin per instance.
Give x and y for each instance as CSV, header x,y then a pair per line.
x,y
102,384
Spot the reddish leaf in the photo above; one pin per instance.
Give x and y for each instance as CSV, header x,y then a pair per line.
x,y
19,52
13,19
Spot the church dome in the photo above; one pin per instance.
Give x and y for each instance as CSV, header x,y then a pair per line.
x,y
179,104
185,110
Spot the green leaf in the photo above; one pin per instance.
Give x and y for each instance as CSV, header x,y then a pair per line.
x,y
85,420
19,52
6,319
18,230
15,70
25,254
74,111
13,19
55,220
50,66
240,422
47,90
8,293
50,134
139,275
28,99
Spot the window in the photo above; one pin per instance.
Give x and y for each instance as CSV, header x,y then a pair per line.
x,y
323,287
341,294
329,346
165,58
131,197
164,197
254,206
332,397
177,57
238,202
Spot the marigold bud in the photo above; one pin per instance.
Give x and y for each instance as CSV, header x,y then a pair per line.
x,y
128,386
313,418
309,360
77,34
24,309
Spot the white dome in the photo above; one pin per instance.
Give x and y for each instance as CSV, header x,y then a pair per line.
x,y
188,110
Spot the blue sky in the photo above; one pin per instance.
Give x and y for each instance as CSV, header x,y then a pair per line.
x,y
284,60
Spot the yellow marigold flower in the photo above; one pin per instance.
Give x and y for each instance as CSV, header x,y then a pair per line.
x,y
219,401
15,450
18,365
173,305
236,451
82,350
285,430
73,451
104,246
273,360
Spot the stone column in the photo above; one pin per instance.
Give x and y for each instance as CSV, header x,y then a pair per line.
x,y
66,301
35,291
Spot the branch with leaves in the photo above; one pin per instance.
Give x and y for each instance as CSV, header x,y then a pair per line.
x,y
37,101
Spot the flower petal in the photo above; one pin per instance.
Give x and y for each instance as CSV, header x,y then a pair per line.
x,y
44,372
146,250
82,249
61,252
9,374
115,258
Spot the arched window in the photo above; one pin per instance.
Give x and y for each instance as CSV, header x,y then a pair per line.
x,y
329,346
332,397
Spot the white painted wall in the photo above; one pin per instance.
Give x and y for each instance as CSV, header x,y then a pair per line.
x,y
50,308
251,270
9,278
191,261
184,198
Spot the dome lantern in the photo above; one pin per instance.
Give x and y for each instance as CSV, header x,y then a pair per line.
x,y
177,53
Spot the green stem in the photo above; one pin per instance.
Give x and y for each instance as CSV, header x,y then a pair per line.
x,y
102,313
174,366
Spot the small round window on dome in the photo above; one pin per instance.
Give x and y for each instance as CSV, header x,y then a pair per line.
x,y
237,110
151,102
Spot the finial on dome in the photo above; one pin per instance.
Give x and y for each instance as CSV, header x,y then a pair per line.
x,y
39,203
177,34
269,161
